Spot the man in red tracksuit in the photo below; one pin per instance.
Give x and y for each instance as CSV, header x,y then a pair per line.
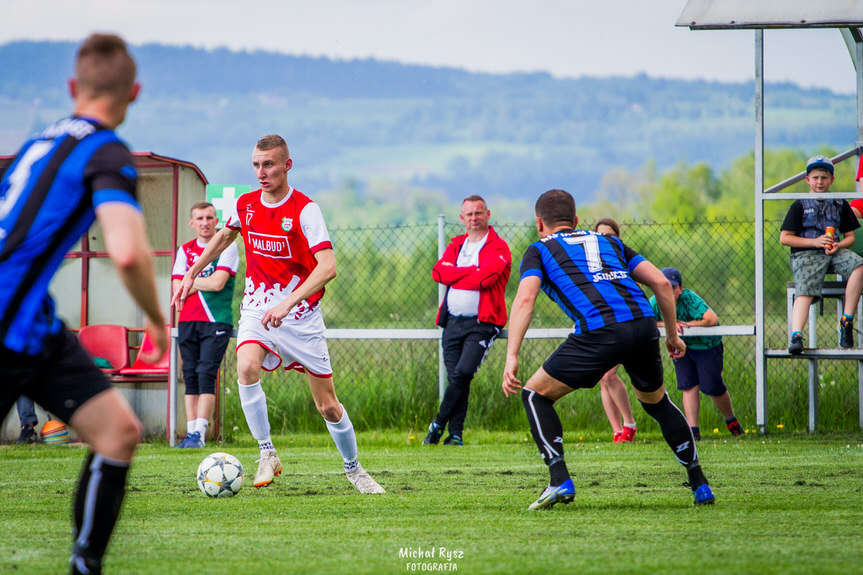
x,y
475,268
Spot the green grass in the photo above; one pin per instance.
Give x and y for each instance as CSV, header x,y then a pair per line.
x,y
786,503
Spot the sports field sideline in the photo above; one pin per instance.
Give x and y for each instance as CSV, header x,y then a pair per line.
x,y
786,503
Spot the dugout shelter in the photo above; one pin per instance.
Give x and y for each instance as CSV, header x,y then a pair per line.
x,y
87,290
758,15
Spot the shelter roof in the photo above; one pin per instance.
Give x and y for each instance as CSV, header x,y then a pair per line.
x,y
142,160
755,14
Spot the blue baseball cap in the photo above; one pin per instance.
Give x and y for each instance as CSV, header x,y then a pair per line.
x,y
819,162
673,276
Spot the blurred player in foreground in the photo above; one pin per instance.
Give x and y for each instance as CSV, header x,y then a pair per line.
x,y
76,171
289,259
593,278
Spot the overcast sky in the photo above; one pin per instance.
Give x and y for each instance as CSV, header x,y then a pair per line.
x,y
567,38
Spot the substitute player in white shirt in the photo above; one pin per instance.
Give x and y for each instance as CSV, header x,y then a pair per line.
x,y
289,259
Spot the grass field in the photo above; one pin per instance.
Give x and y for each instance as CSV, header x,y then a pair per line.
x,y
786,503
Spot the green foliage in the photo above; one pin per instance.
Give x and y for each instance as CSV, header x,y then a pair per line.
x,y
785,505
398,129
384,281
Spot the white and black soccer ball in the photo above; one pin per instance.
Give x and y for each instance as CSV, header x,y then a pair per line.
x,y
220,475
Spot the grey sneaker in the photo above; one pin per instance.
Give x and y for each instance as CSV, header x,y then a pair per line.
x,y
363,481
268,467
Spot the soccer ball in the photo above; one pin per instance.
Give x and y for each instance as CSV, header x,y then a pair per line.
x,y
220,475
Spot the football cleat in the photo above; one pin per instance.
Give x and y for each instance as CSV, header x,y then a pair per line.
x,y
434,434
563,493
84,566
453,440
734,427
269,466
703,495
363,481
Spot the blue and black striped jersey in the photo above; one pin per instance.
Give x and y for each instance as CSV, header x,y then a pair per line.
x,y
48,197
587,275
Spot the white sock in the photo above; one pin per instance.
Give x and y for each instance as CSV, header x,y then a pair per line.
x,y
254,403
190,426
201,425
345,439
630,425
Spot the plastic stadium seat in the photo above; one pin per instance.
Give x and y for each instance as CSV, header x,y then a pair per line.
x,y
140,367
110,342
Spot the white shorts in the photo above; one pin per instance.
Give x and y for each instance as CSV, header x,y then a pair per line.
x,y
299,343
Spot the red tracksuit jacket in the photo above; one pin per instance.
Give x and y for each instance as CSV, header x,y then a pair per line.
x,y
495,263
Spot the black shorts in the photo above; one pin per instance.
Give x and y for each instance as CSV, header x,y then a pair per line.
x,y
583,359
202,347
60,379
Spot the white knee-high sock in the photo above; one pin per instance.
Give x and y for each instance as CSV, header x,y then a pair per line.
x,y
344,437
254,403
201,425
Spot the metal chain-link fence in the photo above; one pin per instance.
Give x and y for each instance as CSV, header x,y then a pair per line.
x,y
384,281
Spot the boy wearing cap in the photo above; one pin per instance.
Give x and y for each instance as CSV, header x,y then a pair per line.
x,y
701,367
814,252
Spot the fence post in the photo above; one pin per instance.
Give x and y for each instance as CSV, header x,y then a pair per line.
x,y
172,390
441,291
760,320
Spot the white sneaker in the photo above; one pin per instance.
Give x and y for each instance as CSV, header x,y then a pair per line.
x,y
363,481
268,467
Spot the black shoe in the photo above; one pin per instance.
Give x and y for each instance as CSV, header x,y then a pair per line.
x,y
434,434
28,435
80,566
453,440
796,347
846,333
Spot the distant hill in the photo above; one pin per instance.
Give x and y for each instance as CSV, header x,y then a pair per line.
x,y
445,129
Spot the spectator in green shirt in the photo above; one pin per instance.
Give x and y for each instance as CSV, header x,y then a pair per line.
x,y
701,367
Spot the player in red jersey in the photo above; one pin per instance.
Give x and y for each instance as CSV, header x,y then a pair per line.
x,y
289,259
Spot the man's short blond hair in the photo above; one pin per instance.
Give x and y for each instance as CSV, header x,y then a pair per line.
x,y
200,206
272,142
104,67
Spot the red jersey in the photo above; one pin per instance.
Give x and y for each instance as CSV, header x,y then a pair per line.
x,y
281,241
204,305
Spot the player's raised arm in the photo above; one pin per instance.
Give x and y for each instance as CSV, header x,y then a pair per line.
x,y
519,321
126,241
649,275
215,247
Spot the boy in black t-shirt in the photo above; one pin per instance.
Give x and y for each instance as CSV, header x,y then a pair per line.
x,y
814,252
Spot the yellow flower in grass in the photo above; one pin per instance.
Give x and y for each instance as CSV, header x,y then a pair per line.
x,y
779,426
715,430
